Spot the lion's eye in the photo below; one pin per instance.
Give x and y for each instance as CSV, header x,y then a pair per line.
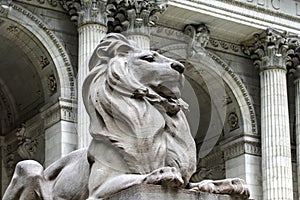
x,y
148,58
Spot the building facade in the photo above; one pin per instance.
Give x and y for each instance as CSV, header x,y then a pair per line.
x,y
242,80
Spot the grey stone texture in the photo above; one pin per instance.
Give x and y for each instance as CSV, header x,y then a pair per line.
x,y
153,192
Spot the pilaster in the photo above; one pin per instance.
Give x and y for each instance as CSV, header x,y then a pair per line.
x,y
242,159
60,130
270,53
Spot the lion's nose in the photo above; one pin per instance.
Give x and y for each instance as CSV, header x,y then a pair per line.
x,y
178,67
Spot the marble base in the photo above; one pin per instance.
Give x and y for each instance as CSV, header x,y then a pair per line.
x,y
153,192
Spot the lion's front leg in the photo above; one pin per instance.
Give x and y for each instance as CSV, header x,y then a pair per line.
x,y
168,176
232,186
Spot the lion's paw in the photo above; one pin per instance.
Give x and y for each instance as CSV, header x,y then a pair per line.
x,y
232,186
168,176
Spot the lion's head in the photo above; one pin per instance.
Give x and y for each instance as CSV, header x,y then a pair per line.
x,y
132,93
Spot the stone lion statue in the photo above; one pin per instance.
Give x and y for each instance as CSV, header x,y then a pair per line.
x,y
140,133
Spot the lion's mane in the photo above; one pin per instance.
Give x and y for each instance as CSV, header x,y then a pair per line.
x,y
128,114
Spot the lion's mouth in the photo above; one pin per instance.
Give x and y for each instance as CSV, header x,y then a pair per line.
x,y
168,92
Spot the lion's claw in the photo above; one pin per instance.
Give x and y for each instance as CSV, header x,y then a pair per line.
x,y
231,186
168,176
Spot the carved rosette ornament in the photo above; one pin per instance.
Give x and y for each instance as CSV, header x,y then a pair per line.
x,y
134,16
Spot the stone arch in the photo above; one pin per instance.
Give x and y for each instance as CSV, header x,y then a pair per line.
x,y
229,77
54,47
34,56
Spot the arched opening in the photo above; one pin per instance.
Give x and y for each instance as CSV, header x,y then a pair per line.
x,y
35,74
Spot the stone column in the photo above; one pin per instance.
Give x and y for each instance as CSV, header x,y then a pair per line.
x,y
137,21
91,29
270,53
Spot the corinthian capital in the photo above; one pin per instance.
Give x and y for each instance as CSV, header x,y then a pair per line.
x,y
133,16
271,49
86,11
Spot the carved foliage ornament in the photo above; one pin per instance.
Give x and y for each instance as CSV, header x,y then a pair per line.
x,y
130,15
26,146
273,49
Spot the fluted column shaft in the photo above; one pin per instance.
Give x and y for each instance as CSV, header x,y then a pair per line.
x,y
89,37
275,136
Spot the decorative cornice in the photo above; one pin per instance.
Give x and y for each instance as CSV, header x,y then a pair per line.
x,y
241,146
271,49
213,44
64,109
134,16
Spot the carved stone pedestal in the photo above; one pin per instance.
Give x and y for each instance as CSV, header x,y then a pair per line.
x,y
152,192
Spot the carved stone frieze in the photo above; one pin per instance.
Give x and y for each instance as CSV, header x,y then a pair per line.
x,y
271,49
62,110
133,16
241,147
